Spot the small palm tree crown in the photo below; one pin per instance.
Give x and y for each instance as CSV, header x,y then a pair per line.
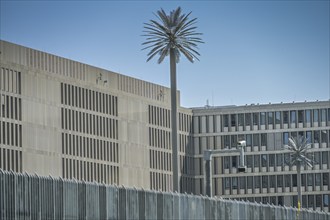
x,y
175,31
298,147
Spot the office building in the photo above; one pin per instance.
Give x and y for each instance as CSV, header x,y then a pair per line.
x,y
269,178
63,118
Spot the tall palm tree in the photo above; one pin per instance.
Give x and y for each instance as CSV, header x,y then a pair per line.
x,y
298,156
172,35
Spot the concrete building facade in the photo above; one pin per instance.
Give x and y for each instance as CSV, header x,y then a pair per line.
x,y
269,178
67,119
64,118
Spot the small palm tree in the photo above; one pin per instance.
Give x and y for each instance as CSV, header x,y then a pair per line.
x,y
173,35
299,148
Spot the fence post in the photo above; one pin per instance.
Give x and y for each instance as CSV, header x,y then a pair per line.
x,y
176,206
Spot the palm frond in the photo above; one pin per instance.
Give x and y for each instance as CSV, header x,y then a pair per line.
x,y
298,148
174,31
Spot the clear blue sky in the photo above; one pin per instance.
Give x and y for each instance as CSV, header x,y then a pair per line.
x,y
254,51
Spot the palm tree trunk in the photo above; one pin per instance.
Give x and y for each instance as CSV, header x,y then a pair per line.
x,y
299,184
174,122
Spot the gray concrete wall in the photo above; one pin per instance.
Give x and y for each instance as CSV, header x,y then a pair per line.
x,y
26,196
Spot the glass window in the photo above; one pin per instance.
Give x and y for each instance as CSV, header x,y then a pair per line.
x,y
257,181
233,141
304,201
317,179
308,116
316,136
324,136
272,181
242,183
262,118
255,118
303,179
227,182
226,140
328,114
225,120
241,119
271,160
301,116
325,200
285,117
234,180
273,200
287,158
323,115
325,157
293,117
280,200
310,179
325,179
270,118
249,161
264,181
233,120
248,140
264,160
294,180
317,158
256,160
315,115
287,180
247,119
249,182
318,200
279,160
310,201
265,200
285,138
263,139
241,137
256,140
226,162
234,161
293,134
278,117
309,137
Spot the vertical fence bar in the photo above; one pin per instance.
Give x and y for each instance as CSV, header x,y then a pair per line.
x,y
159,205
102,202
168,206
25,196
122,203
142,204
112,202
176,205
151,205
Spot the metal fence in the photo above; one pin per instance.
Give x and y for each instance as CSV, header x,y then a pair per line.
x,y
24,196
